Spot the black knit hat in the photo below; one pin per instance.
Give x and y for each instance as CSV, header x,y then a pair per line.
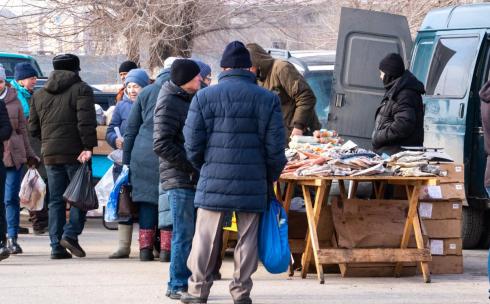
x,y
392,65
68,62
183,70
236,56
127,66
24,70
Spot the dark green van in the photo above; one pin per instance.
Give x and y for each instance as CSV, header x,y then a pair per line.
x,y
9,60
451,56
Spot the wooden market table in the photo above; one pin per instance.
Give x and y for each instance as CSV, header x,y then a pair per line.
x,y
321,186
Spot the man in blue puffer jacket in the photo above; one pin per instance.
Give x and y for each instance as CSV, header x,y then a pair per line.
x,y
234,135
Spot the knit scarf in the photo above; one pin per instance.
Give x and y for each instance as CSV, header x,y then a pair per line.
x,y
23,95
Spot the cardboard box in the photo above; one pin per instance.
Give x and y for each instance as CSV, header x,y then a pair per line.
x,y
455,173
441,210
450,191
446,246
448,264
444,229
101,132
103,148
369,223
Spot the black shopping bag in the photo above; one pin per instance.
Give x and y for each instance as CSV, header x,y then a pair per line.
x,y
80,192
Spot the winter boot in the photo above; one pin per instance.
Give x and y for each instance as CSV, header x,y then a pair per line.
x,y
4,252
165,245
125,234
12,246
146,239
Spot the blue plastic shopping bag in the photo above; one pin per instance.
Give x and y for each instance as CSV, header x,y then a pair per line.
x,y
273,241
112,202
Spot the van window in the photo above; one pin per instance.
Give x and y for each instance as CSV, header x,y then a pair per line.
x,y
451,66
422,55
321,84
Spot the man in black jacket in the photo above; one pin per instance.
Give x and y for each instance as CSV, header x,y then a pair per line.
x,y
177,175
62,116
400,116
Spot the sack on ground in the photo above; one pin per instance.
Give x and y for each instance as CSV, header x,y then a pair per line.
x,y
32,191
113,202
274,251
104,187
80,192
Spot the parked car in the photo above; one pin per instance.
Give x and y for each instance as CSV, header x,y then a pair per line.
x,y
451,56
317,67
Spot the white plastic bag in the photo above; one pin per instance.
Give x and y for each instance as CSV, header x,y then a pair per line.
x,y
116,156
32,191
104,187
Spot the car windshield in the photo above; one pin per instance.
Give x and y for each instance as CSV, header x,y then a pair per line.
x,y
320,82
10,62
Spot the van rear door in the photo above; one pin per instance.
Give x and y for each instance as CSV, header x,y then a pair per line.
x,y
364,38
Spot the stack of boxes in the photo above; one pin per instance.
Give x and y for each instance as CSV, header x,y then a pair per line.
x,y
103,148
440,211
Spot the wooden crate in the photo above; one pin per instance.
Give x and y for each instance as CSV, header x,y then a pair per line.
x,y
103,148
378,270
101,132
372,224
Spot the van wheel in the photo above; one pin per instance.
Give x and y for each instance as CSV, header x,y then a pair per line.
x,y
472,227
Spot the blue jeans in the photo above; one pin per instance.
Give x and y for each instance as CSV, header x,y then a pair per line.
x,y
184,223
148,215
59,177
12,201
3,221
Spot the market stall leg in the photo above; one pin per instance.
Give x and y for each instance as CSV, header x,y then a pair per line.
x,y
313,216
379,189
413,220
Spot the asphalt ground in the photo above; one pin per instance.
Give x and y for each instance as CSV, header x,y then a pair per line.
x,y
33,278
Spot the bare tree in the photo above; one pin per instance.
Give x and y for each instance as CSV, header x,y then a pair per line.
x,y
163,27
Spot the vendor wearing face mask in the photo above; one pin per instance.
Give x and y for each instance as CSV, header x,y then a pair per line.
x,y
399,119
